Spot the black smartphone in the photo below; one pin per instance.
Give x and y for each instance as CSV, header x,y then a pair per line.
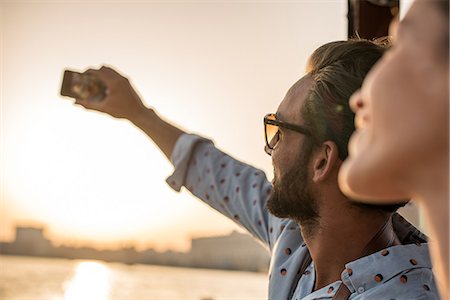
x,y
82,86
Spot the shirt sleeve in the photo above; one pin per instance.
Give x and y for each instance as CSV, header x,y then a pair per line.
x,y
235,189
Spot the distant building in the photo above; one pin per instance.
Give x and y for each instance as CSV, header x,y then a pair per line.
x,y
29,241
234,251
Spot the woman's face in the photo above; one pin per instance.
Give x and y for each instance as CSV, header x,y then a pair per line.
x,y
401,112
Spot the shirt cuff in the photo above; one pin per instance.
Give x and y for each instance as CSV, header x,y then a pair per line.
x,y
181,155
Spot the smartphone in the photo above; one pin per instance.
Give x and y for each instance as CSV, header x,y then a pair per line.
x,y
82,86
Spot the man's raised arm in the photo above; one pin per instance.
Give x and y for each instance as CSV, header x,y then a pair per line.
x,y
123,102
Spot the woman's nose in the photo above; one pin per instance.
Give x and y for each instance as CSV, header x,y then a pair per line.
x,y
356,101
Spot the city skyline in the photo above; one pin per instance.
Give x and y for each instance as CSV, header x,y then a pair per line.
x,y
235,251
116,245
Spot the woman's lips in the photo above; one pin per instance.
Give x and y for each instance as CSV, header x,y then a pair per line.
x,y
361,121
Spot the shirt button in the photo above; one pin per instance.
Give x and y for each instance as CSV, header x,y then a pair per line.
x,y
361,289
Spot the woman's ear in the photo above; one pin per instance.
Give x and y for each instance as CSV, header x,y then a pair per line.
x,y
326,158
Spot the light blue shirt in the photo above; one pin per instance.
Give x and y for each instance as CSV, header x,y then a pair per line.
x,y
240,192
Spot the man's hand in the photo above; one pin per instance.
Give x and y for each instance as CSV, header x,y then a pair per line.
x,y
121,100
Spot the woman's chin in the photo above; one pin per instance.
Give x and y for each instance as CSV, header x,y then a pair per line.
x,y
362,185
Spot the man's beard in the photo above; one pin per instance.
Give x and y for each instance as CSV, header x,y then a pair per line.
x,y
291,195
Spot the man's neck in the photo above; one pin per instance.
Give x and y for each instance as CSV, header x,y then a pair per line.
x,y
341,237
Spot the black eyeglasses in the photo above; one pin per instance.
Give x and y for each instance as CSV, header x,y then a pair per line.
x,y
272,132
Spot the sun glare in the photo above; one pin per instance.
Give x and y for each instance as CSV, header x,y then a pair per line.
x,y
90,281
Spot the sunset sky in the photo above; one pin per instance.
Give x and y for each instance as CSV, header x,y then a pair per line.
x,y
212,68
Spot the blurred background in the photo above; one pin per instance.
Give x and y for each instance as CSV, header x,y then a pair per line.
x,y
82,185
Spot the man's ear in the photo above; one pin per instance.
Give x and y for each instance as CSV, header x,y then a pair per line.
x,y
326,159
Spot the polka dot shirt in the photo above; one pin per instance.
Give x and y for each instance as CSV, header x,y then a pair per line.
x,y
240,192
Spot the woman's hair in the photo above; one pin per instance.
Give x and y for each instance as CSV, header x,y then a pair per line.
x,y
443,7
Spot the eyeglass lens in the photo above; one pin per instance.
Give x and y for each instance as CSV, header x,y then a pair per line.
x,y
272,133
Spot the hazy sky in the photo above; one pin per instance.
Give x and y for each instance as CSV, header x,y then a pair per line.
x,y
213,68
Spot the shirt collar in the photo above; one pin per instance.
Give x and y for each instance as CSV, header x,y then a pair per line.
x,y
373,270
